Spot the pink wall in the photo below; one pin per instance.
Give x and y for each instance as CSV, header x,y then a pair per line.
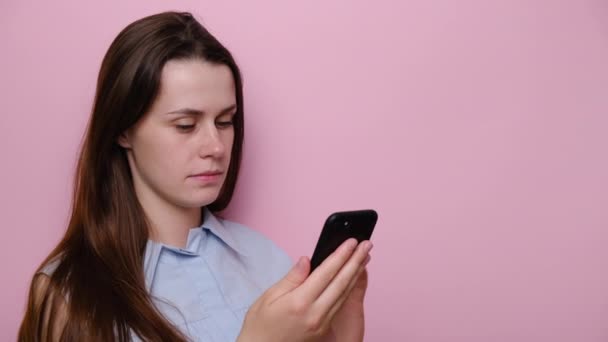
x,y
478,131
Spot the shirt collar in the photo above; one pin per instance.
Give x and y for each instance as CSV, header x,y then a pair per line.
x,y
211,223
217,227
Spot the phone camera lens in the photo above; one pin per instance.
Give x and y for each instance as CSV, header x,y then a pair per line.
x,y
345,223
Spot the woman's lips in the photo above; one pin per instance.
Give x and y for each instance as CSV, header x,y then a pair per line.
x,y
207,177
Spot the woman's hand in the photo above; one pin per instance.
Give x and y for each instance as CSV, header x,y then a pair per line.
x,y
313,308
349,324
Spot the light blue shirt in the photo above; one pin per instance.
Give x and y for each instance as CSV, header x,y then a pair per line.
x,y
206,288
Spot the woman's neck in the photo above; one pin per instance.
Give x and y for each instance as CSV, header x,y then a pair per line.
x,y
169,224
172,227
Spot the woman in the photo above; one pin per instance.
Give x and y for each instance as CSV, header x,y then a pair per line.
x,y
144,256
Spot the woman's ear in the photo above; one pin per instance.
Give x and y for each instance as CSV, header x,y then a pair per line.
x,y
124,140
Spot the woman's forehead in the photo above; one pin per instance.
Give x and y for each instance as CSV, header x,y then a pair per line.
x,y
196,84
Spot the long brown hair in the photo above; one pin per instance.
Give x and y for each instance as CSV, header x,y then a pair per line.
x,y
99,276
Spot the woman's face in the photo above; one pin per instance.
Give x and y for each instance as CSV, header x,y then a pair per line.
x,y
187,131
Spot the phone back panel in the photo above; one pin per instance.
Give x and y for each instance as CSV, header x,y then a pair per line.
x,y
341,226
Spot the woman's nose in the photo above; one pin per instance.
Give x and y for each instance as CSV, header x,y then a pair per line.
x,y
211,145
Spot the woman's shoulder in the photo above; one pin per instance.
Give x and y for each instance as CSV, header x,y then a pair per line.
x,y
249,239
258,247
49,268
47,307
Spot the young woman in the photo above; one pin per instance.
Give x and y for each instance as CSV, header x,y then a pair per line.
x,y
145,257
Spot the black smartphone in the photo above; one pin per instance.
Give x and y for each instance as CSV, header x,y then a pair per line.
x,y
339,227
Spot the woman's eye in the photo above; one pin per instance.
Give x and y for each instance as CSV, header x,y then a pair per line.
x,y
225,123
184,127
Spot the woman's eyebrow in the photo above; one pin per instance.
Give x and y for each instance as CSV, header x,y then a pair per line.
x,y
192,111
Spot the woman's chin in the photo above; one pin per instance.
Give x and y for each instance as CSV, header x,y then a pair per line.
x,y
200,200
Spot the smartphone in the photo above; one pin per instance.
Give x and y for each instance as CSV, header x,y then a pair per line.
x,y
339,227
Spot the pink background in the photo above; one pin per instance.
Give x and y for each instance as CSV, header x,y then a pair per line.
x,y
477,129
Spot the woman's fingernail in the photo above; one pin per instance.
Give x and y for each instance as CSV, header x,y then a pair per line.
x,y
301,263
369,257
